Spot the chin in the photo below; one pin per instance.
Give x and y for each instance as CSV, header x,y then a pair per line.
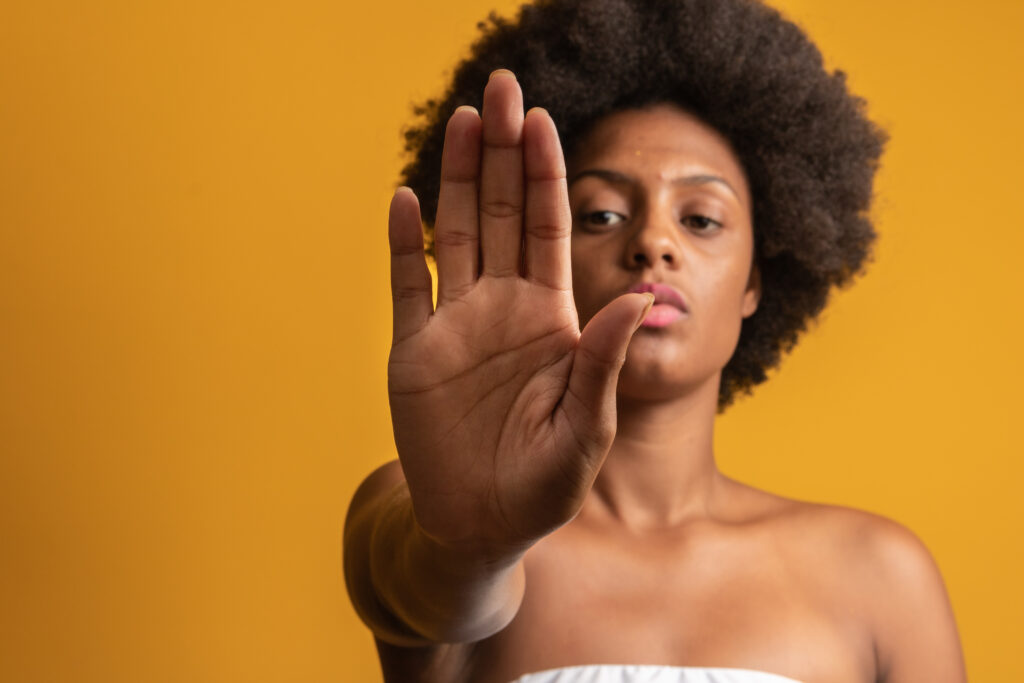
x,y
646,381
645,391
658,371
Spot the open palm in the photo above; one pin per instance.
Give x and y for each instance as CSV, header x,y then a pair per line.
x,y
503,411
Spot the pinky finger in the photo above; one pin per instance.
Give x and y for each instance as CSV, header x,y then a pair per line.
x,y
410,279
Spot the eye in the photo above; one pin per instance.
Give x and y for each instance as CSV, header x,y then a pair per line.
x,y
702,223
602,218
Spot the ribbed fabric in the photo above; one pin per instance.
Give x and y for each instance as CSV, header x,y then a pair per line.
x,y
643,673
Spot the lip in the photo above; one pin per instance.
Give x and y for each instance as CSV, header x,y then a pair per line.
x,y
668,307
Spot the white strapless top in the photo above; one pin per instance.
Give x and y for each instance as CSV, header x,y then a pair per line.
x,y
643,673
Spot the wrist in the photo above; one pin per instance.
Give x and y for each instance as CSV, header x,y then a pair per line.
x,y
472,556
446,592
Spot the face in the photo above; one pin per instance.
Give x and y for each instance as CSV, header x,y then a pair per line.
x,y
660,203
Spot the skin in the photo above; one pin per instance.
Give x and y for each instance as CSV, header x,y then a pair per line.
x,y
557,500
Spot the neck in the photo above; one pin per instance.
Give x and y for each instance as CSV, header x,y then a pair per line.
x,y
661,469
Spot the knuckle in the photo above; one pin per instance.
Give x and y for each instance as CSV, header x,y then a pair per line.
x,y
458,177
406,292
597,434
601,436
402,250
500,208
454,238
548,231
597,362
452,292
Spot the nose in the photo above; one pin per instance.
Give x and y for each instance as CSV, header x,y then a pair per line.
x,y
655,243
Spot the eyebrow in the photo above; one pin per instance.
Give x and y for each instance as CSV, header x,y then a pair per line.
x,y
623,179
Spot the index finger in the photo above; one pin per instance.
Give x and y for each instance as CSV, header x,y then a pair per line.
x,y
548,221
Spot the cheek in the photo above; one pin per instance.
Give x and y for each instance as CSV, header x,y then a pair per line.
x,y
585,286
723,302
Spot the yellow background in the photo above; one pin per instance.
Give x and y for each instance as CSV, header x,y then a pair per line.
x,y
194,322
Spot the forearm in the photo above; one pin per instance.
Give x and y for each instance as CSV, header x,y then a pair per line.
x,y
412,591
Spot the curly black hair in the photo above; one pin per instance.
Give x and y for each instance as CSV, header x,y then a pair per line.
x,y
809,151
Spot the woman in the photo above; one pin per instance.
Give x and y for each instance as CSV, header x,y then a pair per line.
x,y
557,514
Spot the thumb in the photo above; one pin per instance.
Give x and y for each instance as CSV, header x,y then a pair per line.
x,y
595,370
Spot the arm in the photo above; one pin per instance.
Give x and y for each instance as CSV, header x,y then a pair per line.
x,y
503,409
408,588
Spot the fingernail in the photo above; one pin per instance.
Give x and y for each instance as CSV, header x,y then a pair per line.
x,y
539,110
404,188
501,72
647,308
467,107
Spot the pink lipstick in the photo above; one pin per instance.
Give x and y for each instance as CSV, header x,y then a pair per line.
x,y
668,307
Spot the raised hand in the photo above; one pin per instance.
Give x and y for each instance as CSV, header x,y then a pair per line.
x,y
503,411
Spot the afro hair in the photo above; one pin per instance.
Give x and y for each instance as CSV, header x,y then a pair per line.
x,y
809,151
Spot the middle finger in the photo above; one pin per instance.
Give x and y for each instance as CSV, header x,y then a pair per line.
x,y
501,176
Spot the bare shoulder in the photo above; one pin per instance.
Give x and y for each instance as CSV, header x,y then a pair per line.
x,y
879,571
879,556
856,538
865,549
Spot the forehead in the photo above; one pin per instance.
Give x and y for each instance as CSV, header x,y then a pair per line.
x,y
658,143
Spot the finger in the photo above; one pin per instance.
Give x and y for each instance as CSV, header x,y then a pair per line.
x,y
501,176
548,224
456,228
590,397
410,278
